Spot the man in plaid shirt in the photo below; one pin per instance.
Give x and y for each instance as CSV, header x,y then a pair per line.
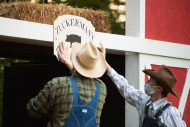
x,y
76,100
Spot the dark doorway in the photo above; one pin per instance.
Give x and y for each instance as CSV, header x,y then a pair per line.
x,y
24,80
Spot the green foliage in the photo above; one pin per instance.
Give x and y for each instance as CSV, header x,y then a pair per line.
x,y
93,4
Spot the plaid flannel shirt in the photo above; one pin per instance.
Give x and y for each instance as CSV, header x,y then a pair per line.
x,y
55,99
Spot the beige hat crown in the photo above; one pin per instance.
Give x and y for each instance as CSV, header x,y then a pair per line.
x,y
88,60
88,56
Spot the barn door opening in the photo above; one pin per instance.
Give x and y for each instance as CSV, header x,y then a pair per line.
x,y
24,80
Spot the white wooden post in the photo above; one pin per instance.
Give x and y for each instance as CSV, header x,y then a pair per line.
x,y
135,26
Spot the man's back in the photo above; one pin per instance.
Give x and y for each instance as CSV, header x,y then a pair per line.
x,y
56,99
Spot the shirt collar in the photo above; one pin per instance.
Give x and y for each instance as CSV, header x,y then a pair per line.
x,y
159,103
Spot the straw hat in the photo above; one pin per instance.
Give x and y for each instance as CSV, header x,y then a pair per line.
x,y
165,76
88,60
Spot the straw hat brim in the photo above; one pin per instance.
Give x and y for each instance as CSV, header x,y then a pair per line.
x,y
94,72
152,73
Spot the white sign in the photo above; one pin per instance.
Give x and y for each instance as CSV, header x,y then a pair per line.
x,y
71,28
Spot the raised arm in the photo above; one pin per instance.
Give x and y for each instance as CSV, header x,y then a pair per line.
x,y
133,96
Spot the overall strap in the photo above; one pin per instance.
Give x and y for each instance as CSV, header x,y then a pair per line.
x,y
76,98
95,99
147,107
75,90
161,110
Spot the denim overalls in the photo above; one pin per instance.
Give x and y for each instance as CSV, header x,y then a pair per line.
x,y
153,122
82,115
